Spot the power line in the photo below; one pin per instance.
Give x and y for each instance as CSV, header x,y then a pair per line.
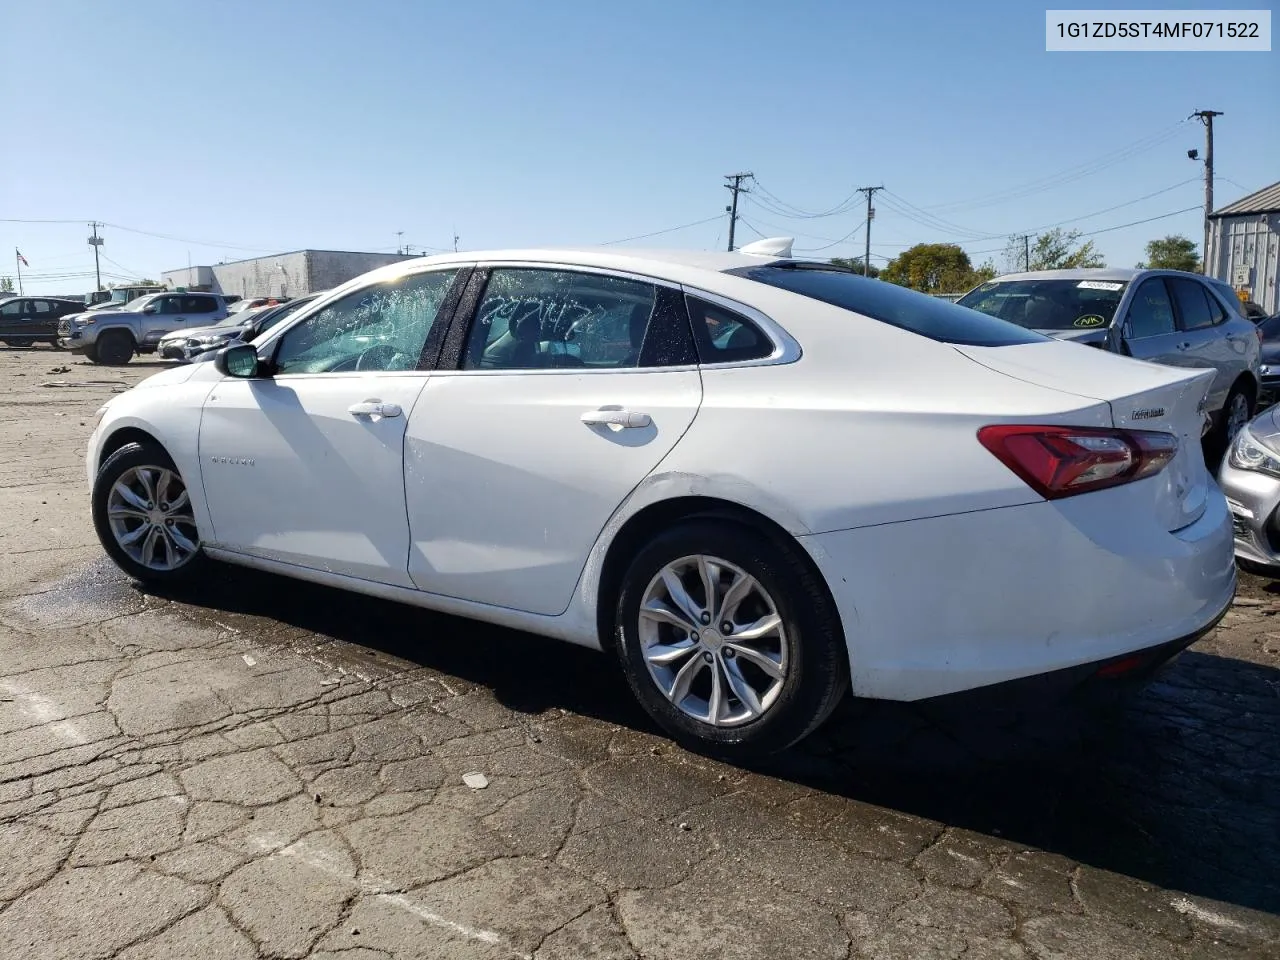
x,y
1118,226
1067,175
656,233
835,243
796,213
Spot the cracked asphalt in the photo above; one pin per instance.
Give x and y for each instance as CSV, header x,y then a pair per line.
x,y
265,769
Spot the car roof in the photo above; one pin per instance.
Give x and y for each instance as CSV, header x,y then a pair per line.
x,y
1076,273
635,259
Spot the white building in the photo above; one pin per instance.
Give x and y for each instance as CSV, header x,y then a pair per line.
x,y
1244,246
293,274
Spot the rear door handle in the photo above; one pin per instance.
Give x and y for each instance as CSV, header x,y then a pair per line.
x,y
374,408
617,418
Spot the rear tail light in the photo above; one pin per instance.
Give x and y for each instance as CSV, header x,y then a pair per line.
x,y
1064,461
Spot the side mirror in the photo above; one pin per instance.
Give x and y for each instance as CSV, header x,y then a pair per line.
x,y
238,360
151,309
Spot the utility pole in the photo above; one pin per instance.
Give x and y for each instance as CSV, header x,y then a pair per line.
x,y
399,246
1206,117
96,241
871,214
1026,250
455,239
734,186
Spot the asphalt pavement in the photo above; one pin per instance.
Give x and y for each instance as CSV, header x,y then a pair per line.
x,y
260,768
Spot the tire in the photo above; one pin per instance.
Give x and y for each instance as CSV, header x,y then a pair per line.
x,y
114,348
90,354
21,343
131,464
809,651
1240,397
1258,569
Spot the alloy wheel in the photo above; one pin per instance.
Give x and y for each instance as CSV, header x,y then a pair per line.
x,y
713,641
151,518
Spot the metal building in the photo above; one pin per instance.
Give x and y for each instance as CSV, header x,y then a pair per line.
x,y
1244,246
292,274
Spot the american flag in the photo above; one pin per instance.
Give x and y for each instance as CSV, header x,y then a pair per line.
x,y
21,257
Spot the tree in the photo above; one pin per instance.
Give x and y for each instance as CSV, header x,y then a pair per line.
x,y
936,268
1172,253
855,264
6,284
1053,250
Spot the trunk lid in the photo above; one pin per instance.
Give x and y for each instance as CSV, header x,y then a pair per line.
x,y
1141,395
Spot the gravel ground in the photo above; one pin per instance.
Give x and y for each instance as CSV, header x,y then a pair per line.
x,y
262,768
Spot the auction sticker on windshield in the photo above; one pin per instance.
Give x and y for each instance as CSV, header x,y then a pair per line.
x,y
1099,285
1090,320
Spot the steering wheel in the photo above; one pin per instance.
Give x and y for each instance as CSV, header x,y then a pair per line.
x,y
377,358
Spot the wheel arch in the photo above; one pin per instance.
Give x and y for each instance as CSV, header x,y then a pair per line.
x,y
121,437
660,515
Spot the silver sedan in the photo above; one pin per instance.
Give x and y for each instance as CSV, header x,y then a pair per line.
x,y
1250,477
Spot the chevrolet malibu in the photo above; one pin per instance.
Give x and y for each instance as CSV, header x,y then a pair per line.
x,y
760,482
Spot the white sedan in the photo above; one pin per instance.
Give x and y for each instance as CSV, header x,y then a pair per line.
x,y
762,482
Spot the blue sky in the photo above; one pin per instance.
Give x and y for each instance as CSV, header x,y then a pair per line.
x,y
245,128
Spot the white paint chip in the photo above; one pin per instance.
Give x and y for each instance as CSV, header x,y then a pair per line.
x,y
476,781
248,659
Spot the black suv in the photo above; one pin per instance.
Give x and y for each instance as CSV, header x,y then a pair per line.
x,y
24,320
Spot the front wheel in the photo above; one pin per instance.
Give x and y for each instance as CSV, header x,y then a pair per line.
x,y
1236,412
143,516
114,348
728,639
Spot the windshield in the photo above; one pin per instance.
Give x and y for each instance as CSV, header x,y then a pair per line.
x,y
138,303
897,306
236,318
1052,304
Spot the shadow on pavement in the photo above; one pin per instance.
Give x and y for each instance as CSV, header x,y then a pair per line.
x,y
1176,785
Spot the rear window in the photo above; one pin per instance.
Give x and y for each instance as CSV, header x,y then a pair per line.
x,y
1049,304
897,306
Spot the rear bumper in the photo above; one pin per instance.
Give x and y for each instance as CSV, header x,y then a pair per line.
x,y
943,605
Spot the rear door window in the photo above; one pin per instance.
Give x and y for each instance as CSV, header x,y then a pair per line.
x,y
530,319
1151,311
1193,303
198,305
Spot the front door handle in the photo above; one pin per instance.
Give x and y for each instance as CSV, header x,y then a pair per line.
x,y
616,418
1184,346
374,408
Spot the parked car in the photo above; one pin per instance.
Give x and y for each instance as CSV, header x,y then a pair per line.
x,y
1250,477
25,321
848,485
1252,311
113,337
1165,316
1270,360
188,345
252,303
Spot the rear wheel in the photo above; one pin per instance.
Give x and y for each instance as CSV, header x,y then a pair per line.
x,y
21,343
728,640
114,348
143,515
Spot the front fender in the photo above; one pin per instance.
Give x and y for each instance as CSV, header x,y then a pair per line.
x,y
169,412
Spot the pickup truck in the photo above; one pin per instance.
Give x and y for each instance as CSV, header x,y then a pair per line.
x,y
114,336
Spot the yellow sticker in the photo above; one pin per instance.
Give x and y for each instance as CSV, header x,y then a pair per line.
x,y
1090,320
